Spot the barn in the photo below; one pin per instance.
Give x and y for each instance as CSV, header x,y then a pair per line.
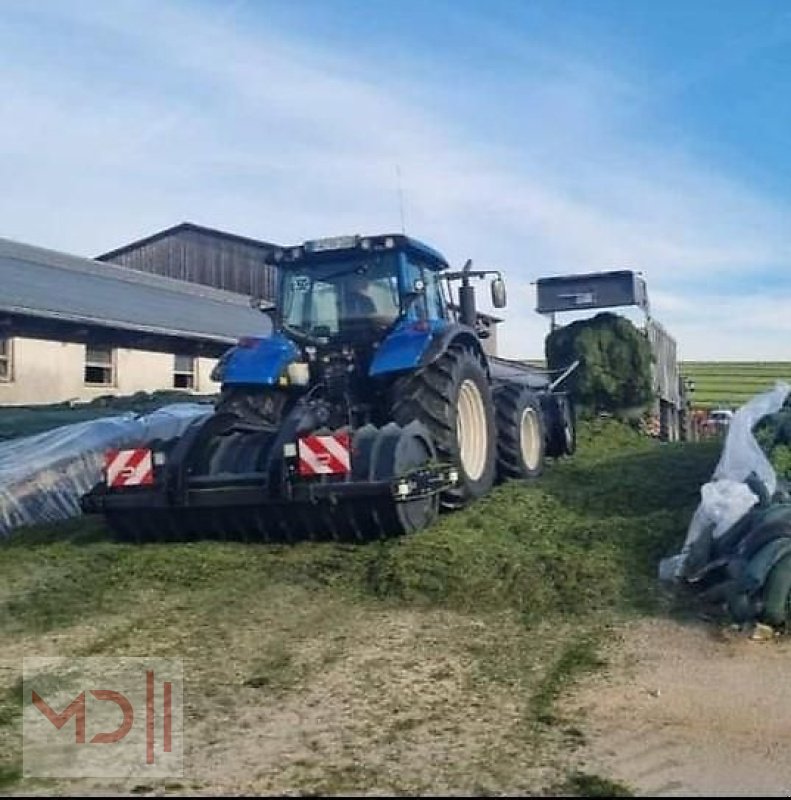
x,y
193,253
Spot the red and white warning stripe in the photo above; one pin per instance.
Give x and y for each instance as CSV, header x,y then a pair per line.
x,y
129,467
325,455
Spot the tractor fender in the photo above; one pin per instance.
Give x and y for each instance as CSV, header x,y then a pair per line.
x,y
455,334
256,360
412,345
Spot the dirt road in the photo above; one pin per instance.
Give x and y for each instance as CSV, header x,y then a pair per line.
x,y
690,709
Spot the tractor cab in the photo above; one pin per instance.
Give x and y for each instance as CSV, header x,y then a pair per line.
x,y
352,308
353,288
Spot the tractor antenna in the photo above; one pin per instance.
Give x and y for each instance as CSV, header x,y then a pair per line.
x,y
400,198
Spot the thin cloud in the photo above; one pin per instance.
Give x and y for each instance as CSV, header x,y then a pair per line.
x,y
258,131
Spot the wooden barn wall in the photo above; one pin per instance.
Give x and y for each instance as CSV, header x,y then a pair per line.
x,y
200,258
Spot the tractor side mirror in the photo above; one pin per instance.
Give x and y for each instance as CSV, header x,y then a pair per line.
x,y
499,298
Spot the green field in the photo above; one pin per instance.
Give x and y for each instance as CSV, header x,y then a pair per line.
x,y
727,384
731,383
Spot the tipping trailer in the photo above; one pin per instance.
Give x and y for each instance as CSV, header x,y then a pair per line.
x,y
369,405
670,408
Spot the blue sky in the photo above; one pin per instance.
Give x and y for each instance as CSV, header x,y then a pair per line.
x,y
537,137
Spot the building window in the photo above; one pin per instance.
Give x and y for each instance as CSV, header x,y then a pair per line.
x,y
99,362
6,365
184,372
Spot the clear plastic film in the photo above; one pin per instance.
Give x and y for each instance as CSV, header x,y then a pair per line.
x,y
42,477
727,498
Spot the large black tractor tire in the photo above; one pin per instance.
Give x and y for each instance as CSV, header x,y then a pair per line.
x,y
452,397
560,425
396,451
520,432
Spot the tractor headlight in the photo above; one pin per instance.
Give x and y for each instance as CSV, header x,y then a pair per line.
x,y
298,373
331,243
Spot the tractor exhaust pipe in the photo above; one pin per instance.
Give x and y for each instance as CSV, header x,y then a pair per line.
x,y
467,313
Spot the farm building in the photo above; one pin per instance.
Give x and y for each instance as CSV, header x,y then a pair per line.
x,y
73,329
189,252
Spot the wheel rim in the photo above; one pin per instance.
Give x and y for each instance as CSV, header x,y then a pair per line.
x,y
471,430
529,438
568,436
568,431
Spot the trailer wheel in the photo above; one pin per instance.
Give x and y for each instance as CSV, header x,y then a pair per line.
x,y
568,425
560,425
520,432
452,397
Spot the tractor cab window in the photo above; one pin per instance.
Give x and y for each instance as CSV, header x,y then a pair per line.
x,y
336,297
432,304
434,297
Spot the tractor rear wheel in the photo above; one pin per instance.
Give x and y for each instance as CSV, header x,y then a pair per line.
x,y
520,432
452,397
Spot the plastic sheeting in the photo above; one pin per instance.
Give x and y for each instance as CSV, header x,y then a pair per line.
x,y
42,477
727,498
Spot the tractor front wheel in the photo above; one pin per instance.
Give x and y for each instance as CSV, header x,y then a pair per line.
x,y
453,399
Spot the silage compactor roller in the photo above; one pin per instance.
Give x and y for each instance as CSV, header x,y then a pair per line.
x,y
368,406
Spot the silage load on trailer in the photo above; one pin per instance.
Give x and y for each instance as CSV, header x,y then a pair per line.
x,y
42,477
615,362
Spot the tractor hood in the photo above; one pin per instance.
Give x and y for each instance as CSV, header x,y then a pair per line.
x,y
256,360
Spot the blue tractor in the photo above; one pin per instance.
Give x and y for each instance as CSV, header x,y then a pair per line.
x,y
370,404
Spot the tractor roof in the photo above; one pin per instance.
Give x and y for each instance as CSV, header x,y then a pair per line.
x,y
322,250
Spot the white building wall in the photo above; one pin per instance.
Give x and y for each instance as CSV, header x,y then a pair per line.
x,y
51,372
204,384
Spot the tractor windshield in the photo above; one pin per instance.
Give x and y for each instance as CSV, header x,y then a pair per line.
x,y
342,296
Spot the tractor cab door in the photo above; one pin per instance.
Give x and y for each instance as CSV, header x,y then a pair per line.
x,y
418,278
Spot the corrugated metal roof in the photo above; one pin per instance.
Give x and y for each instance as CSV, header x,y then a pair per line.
x,y
49,284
